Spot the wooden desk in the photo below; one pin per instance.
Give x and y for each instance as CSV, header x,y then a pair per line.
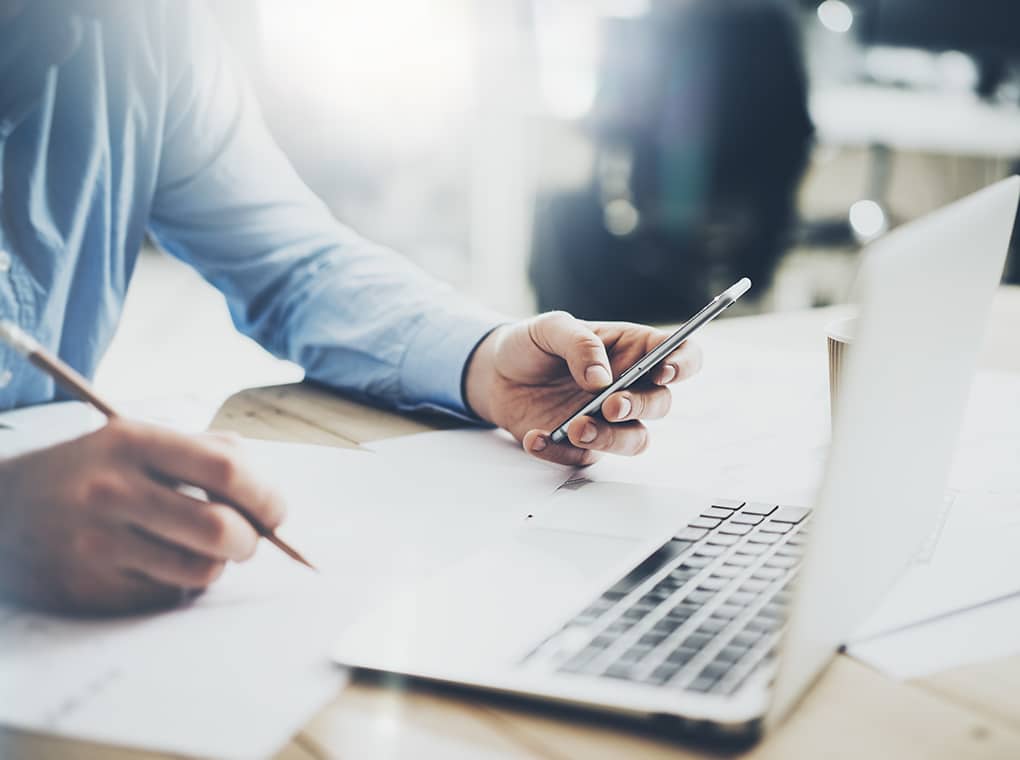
x,y
853,712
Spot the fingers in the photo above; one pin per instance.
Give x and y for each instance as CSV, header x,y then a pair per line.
x,y
559,334
682,364
625,438
645,404
164,564
539,444
588,436
206,528
212,463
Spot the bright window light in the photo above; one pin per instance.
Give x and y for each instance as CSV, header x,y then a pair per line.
x,y
867,219
836,16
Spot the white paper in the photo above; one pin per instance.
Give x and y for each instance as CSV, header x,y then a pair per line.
x,y
244,666
985,633
970,559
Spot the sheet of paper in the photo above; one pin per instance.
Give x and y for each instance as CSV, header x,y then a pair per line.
x,y
239,670
981,634
969,560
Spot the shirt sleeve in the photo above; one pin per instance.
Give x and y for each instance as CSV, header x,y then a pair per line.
x,y
355,315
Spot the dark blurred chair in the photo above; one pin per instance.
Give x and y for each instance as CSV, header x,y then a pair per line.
x,y
701,134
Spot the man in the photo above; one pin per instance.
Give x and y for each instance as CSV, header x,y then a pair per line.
x,y
120,118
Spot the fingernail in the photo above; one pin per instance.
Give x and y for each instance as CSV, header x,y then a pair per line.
x,y
625,407
588,433
539,443
598,376
668,374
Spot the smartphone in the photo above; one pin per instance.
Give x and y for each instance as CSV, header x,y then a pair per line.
x,y
649,361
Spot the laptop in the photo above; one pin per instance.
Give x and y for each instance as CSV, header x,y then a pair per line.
x,y
716,616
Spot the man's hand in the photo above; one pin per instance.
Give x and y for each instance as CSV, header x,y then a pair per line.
x,y
530,376
97,525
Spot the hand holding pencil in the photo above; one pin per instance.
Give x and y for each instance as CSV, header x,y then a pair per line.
x,y
99,525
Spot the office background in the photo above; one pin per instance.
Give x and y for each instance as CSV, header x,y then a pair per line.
x,y
621,158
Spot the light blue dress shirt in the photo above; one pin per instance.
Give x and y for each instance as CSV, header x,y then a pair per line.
x,y
146,126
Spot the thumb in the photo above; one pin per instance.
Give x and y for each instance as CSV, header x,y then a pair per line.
x,y
561,335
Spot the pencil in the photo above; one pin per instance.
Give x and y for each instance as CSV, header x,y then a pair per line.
x,y
75,383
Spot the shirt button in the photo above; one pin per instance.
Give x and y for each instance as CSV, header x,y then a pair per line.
x,y
5,261
5,378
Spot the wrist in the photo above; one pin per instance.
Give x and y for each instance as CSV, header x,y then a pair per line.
x,y
480,376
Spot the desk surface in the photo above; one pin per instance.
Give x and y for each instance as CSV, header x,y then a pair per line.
x,y
853,712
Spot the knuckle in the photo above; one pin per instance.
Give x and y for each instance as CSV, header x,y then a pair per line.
x,y
89,543
642,442
202,572
101,489
223,468
216,528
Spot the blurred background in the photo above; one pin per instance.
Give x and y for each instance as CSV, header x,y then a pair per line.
x,y
622,159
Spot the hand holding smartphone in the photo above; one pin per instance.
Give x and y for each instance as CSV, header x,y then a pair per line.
x,y
653,358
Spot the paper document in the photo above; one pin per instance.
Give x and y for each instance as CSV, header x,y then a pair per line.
x,y
977,635
240,670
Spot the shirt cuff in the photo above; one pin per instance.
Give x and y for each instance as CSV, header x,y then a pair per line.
x,y
431,377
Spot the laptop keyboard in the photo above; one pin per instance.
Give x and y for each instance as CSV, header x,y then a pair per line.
x,y
701,613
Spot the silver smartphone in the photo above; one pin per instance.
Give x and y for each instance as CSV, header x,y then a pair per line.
x,y
649,361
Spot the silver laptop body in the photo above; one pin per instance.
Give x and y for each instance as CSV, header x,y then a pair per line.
x,y
716,615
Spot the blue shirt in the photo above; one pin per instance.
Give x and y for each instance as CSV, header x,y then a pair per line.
x,y
146,126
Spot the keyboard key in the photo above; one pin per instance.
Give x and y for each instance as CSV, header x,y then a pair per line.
x,y
727,611
746,639
712,625
727,571
731,504
634,655
695,562
696,641
741,559
666,626
768,573
717,513
764,538
791,514
774,526
713,583
700,597
662,674
620,670
762,625
705,522
788,550
741,519
701,684
691,534
758,508
652,638
756,548
741,598
796,540
708,550
731,653
721,539
714,670
579,662
778,560
735,529
752,586
772,611
681,656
